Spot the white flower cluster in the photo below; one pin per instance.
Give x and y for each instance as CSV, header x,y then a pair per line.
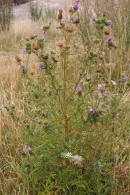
x,y
76,159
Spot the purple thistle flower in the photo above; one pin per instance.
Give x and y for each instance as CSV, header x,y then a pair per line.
x,y
79,89
23,67
110,39
89,76
43,36
91,111
23,51
93,19
125,79
76,6
28,149
40,66
110,22
63,20
42,126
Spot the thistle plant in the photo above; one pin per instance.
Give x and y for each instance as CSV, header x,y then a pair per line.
x,y
72,93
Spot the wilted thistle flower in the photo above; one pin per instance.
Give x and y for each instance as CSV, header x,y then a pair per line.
x,y
110,65
71,10
40,66
18,58
77,21
28,149
125,79
91,111
60,14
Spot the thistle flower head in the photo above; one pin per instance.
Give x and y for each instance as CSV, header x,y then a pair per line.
x,y
91,111
79,89
110,39
28,149
23,51
125,79
76,5
40,66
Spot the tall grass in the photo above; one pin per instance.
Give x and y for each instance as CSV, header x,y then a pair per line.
x,y
6,14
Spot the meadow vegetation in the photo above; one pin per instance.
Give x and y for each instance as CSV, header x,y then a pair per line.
x,y
65,102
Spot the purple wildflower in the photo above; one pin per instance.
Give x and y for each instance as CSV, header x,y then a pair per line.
x,y
43,36
63,20
79,89
89,76
42,126
104,173
110,22
23,51
40,66
91,111
93,19
76,6
125,79
23,67
110,39
28,149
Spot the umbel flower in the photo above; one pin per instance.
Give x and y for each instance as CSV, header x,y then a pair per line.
x,y
76,159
